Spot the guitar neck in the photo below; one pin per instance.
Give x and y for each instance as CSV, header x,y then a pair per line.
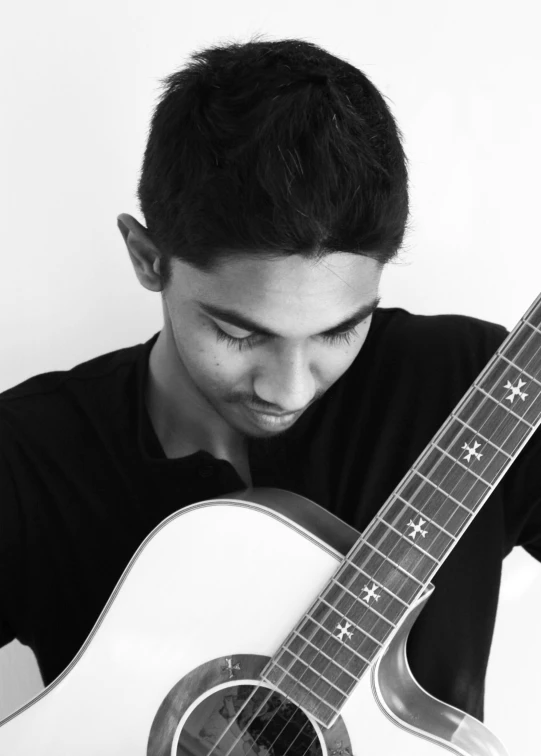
x,y
398,554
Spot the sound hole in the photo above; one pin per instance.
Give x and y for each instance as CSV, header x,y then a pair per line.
x,y
238,722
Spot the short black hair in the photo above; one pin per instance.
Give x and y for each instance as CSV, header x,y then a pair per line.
x,y
272,148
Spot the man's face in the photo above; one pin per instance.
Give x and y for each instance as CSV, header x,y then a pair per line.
x,y
295,298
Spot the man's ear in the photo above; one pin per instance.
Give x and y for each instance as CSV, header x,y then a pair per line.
x,y
144,255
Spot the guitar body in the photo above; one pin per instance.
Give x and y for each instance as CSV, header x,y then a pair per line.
x,y
201,608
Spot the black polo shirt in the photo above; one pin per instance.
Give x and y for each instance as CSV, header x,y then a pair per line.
x,y
84,479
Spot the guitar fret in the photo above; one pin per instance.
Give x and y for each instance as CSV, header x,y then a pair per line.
x,y
428,499
505,381
319,675
364,659
466,398
368,606
370,577
447,495
401,549
388,559
410,543
341,653
525,349
462,446
460,420
332,619
348,602
332,667
527,322
507,409
400,515
320,651
459,462
359,611
286,675
524,372
353,623
408,540
488,414
432,522
534,309
451,477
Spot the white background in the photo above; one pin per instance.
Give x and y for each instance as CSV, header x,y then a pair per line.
x,y
78,83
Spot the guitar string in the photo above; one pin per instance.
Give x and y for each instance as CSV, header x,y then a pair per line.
x,y
505,375
255,714
302,729
270,694
507,371
286,723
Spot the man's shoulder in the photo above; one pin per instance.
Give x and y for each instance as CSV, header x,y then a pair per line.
x,y
54,394
465,326
101,366
443,334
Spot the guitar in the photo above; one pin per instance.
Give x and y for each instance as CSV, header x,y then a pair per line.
x,y
304,654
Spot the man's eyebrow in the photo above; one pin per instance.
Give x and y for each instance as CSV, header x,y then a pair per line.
x,y
242,321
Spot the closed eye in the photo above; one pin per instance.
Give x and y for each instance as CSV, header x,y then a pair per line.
x,y
248,342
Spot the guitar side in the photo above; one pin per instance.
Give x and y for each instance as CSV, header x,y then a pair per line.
x,y
216,586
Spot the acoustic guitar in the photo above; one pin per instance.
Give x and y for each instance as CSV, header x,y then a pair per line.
x,y
259,624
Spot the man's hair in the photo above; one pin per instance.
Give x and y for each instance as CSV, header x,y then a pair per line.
x,y
272,148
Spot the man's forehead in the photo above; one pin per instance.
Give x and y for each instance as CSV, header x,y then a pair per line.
x,y
333,275
273,261
238,292
239,319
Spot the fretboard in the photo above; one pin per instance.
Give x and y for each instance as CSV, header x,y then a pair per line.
x,y
394,560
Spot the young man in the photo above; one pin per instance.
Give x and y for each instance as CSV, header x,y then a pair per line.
x,y
274,190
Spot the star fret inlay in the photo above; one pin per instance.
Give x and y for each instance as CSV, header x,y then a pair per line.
x,y
417,528
515,390
370,593
472,451
344,630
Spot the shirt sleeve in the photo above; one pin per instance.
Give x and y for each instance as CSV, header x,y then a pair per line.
x,y
11,529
